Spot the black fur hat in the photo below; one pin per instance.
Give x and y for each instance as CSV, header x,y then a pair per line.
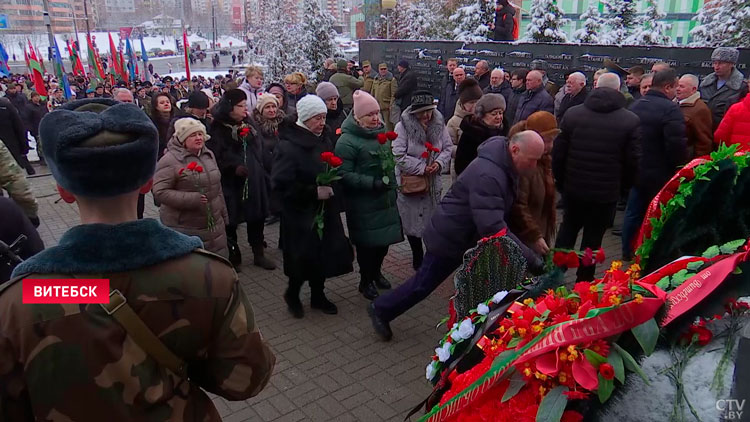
x,y
469,90
99,147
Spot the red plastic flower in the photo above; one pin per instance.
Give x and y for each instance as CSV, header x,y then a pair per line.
x,y
607,371
666,196
192,165
425,154
657,213
244,131
559,259
647,230
336,162
391,135
687,173
588,257
326,156
572,260
576,395
615,288
673,185
382,139
601,347
199,169
600,257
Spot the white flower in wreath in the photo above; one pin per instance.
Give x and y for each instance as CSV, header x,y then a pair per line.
x,y
499,296
466,329
443,353
456,336
483,309
430,371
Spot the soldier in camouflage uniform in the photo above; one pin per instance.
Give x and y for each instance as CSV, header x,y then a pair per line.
x,y
78,362
14,181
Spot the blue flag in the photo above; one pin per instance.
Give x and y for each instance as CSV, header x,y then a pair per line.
x,y
131,59
60,71
4,68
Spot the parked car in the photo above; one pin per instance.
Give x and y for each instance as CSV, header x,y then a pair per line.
x,y
163,53
225,52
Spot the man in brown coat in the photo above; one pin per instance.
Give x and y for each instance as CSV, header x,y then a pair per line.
x,y
697,117
384,87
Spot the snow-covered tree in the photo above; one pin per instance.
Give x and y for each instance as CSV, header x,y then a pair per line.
x,y
651,29
281,48
620,20
546,22
472,20
592,27
318,36
418,20
724,23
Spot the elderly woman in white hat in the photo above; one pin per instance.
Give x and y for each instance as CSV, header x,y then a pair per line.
x,y
187,184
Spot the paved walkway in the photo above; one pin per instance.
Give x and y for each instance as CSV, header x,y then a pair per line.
x,y
328,367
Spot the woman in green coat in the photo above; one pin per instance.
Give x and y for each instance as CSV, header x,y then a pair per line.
x,y
370,190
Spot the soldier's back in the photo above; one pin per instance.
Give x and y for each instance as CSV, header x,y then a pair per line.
x,y
76,362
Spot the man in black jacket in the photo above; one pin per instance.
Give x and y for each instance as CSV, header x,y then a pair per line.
x,y
407,84
504,21
518,88
663,150
498,85
482,73
13,134
449,95
595,157
576,93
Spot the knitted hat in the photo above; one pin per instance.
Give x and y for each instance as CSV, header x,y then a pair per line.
x,y
99,147
341,65
265,99
543,123
422,101
489,102
187,126
469,90
235,96
326,90
725,54
364,104
310,106
197,99
404,64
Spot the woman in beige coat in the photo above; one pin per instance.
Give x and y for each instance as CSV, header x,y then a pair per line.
x,y
187,194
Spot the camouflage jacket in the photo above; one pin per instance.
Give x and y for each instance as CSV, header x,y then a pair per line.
x,y
13,179
76,363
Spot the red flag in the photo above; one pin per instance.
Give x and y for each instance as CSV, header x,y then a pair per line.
x,y
95,63
36,73
114,58
187,50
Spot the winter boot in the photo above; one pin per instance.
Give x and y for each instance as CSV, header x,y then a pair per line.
x,y
260,260
381,282
318,300
291,297
367,288
235,256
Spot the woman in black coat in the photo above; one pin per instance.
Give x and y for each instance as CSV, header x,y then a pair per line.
x,y
244,177
487,121
297,163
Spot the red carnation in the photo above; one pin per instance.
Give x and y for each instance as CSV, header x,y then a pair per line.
x,y
199,169
666,196
588,257
326,156
192,165
382,139
702,335
600,256
607,371
559,258
181,170
673,185
391,135
425,154
687,173
338,131
244,131
428,145
335,162
439,62
572,260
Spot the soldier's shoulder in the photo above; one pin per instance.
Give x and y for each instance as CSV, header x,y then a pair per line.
x,y
199,273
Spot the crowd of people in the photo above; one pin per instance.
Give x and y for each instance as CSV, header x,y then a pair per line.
x,y
258,148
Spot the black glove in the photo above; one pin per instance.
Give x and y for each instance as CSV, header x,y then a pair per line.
x,y
537,266
34,221
378,185
241,171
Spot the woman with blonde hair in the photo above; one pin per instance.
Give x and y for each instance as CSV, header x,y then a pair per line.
x,y
251,86
295,87
533,215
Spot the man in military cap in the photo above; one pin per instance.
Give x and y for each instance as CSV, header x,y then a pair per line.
x,y
177,323
369,74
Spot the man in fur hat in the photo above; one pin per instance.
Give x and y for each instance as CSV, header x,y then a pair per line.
x,y
726,85
177,322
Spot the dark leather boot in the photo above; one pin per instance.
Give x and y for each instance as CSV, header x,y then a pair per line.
x,y
367,288
260,260
291,297
318,300
381,282
235,257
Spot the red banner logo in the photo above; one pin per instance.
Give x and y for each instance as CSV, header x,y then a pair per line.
x,y
74,290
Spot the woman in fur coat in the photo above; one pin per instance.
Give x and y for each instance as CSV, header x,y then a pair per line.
x,y
420,125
